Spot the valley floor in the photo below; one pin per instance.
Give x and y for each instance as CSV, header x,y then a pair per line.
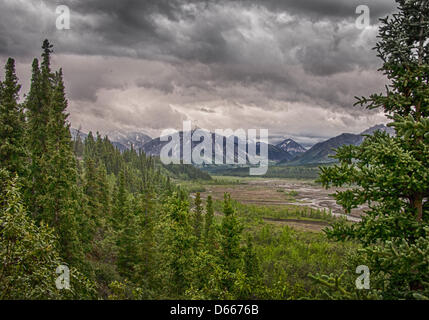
x,y
275,192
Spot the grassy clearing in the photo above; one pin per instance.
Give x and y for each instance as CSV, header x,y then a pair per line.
x,y
249,212
193,186
274,171
246,179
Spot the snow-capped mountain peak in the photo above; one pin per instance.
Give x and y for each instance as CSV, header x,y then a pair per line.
x,y
291,146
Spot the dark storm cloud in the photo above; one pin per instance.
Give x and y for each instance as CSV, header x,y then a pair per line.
x,y
130,27
194,57
318,9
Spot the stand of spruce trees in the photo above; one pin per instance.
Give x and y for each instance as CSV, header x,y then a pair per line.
x,y
115,219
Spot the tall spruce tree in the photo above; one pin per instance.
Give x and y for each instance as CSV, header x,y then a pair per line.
x,y
176,246
52,195
12,123
127,241
93,194
60,203
231,236
38,105
78,145
121,195
198,216
104,191
208,221
390,173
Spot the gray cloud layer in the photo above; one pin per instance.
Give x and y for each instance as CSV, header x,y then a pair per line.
x,y
290,66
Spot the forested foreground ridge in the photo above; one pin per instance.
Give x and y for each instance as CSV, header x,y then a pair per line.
x,y
126,230
116,220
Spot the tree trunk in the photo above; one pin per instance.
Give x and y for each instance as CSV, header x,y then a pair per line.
x,y
417,203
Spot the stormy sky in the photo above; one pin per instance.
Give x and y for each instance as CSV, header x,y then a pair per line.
x,y
292,67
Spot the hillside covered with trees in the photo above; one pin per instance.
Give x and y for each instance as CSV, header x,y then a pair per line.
x,y
125,229
115,219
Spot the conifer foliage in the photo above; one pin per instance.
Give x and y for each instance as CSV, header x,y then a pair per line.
x,y
125,229
12,151
390,173
115,218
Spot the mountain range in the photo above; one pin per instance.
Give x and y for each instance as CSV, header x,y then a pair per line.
x,y
322,151
285,152
128,139
121,140
219,145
